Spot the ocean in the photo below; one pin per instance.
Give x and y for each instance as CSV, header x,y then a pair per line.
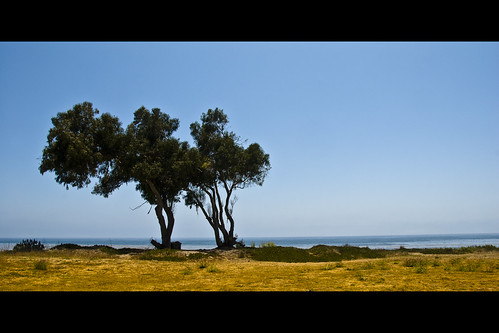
x,y
373,242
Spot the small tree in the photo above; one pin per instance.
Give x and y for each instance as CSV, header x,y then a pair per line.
x,y
219,164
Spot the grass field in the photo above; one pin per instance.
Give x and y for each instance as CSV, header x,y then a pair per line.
x,y
321,268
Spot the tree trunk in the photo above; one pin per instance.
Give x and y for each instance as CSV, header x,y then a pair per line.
x,y
217,237
169,229
166,232
213,224
218,216
217,227
216,219
229,216
165,239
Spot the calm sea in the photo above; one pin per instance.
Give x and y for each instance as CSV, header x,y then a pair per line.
x,y
373,242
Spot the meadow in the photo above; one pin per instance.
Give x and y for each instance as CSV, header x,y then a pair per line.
x,y
264,268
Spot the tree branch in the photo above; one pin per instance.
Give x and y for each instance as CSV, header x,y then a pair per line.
x,y
142,204
159,200
199,204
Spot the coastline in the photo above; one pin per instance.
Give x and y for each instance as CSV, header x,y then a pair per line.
x,y
374,242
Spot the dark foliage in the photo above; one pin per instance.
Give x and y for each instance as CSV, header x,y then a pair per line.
x,y
103,248
28,245
322,253
318,253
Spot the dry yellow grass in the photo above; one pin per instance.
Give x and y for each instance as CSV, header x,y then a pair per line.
x,y
94,271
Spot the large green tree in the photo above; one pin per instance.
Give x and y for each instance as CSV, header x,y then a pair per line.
x,y
220,164
82,146
155,161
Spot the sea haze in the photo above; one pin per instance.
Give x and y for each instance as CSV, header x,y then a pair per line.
x,y
373,242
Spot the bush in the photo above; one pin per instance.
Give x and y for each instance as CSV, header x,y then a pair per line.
x,y
318,253
67,246
415,262
103,248
279,253
161,255
420,264
212,269
27,245
41,265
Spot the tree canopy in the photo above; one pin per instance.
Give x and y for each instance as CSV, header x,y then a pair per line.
x,y
81,145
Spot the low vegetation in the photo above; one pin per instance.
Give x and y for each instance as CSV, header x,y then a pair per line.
x,y
264,268
103,248
173,255
321,253
318,253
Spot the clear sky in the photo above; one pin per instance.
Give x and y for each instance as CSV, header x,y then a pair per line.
x,y
365,138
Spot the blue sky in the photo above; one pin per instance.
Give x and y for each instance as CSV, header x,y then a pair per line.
x,y
365,138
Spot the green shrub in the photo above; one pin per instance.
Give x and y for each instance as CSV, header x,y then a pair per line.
x,y
187,271
454,250
212,269
329,267
415,262
162,255
103,248
41,265
419,264
267,244
421,269
27,245
68,246
367,265
318,253
280,253
197,256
